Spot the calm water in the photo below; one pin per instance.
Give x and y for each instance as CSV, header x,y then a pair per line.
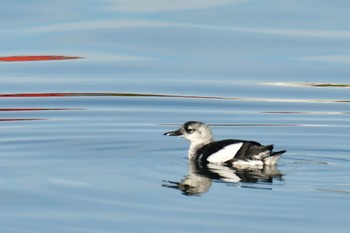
x,y
81,144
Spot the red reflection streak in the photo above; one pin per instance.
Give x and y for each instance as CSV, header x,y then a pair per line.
x,y
35,58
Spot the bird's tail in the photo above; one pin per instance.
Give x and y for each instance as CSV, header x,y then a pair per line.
x,y
273,157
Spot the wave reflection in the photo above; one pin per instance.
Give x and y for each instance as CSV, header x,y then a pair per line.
x,y
308,84
32,110
163,6
107,24
124,94
22,119
201,176
36,109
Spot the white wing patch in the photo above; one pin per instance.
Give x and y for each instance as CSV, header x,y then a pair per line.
x,y
226,153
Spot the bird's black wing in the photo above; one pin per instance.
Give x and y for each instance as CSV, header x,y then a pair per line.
x,y
249,149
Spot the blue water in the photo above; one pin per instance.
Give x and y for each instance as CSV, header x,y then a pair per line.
x,y
86,152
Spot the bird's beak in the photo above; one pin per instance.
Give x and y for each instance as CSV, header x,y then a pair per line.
x,y
174,133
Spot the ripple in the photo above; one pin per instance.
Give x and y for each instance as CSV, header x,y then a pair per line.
x,y
64,182
342,59
32,110
308,113
124,94
22,119
257,125
106,24
36,109
307,84
163,6
334,190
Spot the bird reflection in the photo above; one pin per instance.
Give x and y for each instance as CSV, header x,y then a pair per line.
x,y
201,177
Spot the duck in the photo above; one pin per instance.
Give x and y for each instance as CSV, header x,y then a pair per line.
x,y
233,152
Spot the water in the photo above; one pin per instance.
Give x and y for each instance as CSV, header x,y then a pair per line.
x,y
81,144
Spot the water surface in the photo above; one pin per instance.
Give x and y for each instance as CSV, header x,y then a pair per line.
x,y
81,140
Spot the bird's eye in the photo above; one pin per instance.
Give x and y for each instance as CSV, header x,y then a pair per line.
x,y
190,130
